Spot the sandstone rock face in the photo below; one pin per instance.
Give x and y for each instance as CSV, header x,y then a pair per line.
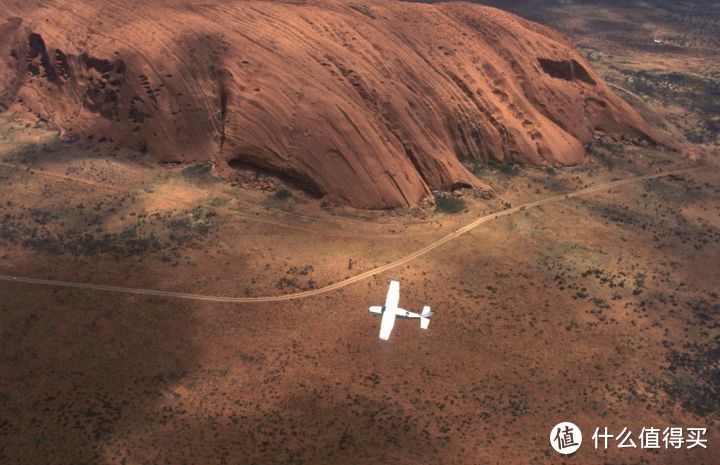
x,y
373,104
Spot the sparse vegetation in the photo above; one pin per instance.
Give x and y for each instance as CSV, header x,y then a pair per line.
x,y
608,153
50,232
282,194
199,172
294,278
507,169
615,291
695,377
447,203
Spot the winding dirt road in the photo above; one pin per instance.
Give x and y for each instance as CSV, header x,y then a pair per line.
x,y
331,287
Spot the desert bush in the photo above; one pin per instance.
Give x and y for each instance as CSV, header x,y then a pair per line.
x,y
282,194
503,168
41,231
447,203
199,172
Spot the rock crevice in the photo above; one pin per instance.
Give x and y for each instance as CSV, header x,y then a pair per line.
x,y
373,104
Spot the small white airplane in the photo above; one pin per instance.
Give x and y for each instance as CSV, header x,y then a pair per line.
x,y
390,311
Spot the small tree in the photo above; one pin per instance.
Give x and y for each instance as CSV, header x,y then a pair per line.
x,y
446,203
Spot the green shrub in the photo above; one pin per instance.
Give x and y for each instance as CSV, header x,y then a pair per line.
x,y
447,203
504,168
282,194
198,172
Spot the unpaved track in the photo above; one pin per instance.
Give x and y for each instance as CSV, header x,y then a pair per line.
x,y
331,287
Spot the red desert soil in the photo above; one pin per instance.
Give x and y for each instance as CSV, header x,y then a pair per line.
x,y
371,104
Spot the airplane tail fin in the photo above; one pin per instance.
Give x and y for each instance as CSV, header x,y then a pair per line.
x,y
425,317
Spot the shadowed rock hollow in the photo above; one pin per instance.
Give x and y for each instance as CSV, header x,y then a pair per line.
x,y
372,104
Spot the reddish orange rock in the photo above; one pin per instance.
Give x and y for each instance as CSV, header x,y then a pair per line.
x,y
372,104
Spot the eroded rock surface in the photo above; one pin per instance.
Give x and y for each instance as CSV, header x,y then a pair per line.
x,y
372,104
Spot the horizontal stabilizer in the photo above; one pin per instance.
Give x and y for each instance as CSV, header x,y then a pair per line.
x,y
425,317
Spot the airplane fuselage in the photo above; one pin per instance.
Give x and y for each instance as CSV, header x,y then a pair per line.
x,y
390,311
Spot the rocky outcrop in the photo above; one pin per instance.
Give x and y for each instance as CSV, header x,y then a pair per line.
x,y
372,104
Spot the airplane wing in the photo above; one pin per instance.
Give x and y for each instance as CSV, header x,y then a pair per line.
x,y
391,305
393,296
387,323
